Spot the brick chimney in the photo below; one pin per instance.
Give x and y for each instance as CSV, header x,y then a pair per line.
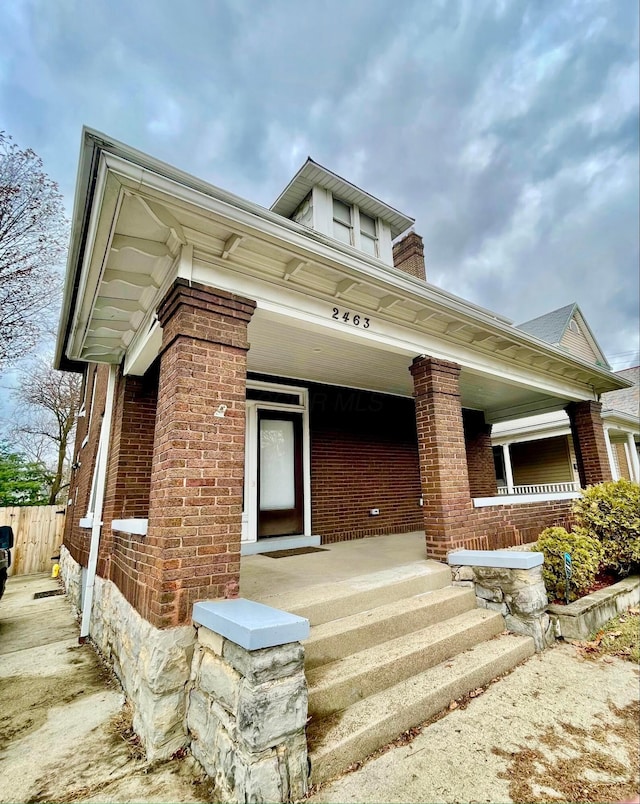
x,y
408,255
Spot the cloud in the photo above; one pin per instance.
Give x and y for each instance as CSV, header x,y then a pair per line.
x,y
509,130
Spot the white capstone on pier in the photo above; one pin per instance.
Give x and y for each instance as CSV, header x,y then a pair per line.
x,y
247,707
510,582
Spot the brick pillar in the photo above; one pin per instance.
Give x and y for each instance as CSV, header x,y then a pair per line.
x,y
195,505
130,456
441,451
589,442
408,255
480,463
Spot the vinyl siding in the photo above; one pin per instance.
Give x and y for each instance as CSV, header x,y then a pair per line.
x,y
544,461
578,345
620,459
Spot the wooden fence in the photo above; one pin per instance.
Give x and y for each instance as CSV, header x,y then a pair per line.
x,y
37,532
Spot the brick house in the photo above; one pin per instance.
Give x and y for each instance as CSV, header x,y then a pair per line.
x,y
537,453
259,378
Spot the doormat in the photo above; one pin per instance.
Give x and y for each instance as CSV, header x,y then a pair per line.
x,y
50,593
295,551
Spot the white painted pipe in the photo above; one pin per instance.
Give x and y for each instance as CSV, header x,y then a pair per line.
x,y
96,527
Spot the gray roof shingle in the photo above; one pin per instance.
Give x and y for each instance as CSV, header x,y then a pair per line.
x,y
626,400
549,327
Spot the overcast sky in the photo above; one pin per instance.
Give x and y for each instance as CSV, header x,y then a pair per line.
x,y
509,130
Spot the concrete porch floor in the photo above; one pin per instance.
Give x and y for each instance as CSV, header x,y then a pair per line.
x,y
358,563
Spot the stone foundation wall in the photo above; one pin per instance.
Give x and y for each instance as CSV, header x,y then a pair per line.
x,y
247,712
71,574
152,665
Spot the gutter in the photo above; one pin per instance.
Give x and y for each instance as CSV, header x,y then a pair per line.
x,y
143,169
101,470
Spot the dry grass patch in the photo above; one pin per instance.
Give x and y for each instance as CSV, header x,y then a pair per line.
x,y
620,637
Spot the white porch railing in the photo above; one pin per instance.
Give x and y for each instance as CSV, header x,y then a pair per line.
x,y
539,488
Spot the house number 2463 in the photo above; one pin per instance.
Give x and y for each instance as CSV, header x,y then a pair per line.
x,y
350,318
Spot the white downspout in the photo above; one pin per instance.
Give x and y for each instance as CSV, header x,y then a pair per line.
x,y
101,477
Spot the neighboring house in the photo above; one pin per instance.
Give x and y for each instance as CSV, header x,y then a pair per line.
x,y
537,454
258,378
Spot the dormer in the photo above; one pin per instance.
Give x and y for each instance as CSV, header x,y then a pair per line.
x,y
327,203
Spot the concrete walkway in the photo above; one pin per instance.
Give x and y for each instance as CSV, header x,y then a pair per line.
x,y
558,728
62,734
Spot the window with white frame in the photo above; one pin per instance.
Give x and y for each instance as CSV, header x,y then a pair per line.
x,y
368,237
342,222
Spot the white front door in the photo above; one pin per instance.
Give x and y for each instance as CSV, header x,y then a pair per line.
x,y
277,479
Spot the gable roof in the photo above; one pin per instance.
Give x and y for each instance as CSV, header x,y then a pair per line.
x,y
312,173
551,327
626,400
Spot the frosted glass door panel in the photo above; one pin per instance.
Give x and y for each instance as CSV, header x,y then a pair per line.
x,y
277,465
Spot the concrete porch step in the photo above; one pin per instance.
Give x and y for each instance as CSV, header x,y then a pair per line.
x,y
344,737
347,635
323,603
341,683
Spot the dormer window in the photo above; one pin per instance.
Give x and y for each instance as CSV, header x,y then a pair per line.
x,y
332,206
342,226
368,237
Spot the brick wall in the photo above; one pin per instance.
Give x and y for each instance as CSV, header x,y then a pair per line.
x,y
77,539
497,527
363,456
129,467
589,442
480,463
408,255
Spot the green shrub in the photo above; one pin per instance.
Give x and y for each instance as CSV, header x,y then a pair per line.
x,y
585,552
610,512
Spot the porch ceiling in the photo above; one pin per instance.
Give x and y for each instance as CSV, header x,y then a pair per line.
x,y
288,349
138,224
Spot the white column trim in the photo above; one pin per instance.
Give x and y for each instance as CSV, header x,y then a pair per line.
x,y
612,463
632,458
508,468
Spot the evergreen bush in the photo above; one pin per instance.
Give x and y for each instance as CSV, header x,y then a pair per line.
x,y
610,512
586,554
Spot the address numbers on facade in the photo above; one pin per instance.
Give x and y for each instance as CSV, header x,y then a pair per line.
x,y
350,318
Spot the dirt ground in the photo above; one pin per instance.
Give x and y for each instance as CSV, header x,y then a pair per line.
x,y
63,731
561,727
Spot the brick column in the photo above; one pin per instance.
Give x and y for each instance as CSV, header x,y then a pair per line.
x,y
195,505
589,442
480,463
441,452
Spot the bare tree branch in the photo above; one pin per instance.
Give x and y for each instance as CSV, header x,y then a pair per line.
x,y
46,418
33,238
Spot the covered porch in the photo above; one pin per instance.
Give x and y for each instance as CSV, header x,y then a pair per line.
x,y
284,580
259,380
